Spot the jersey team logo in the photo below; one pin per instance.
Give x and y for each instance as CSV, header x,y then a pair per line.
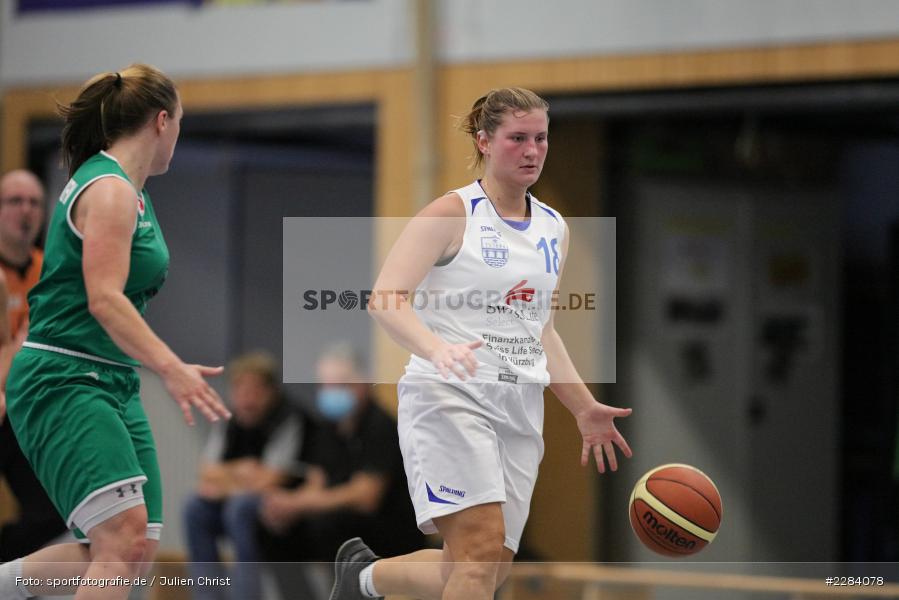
x,y
494,251
520,293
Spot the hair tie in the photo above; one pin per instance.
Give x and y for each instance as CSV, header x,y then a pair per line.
x,y
118,80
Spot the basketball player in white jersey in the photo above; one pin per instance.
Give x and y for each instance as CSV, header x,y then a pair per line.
x,y
484,260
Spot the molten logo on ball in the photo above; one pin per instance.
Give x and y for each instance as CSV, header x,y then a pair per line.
x,y
667,533
675,510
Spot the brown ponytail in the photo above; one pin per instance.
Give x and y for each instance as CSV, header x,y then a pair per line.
x,y
110,106
487,112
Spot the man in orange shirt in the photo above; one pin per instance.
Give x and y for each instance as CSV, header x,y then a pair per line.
x,y
22,210
22,207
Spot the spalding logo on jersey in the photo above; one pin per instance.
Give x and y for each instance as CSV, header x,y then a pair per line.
x,y
494,251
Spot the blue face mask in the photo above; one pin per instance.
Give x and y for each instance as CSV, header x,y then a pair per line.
x,y
334,403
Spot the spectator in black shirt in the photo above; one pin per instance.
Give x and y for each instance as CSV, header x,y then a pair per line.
x,y
249,455
354,482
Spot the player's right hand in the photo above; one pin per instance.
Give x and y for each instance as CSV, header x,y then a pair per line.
x,y
188,387
456,359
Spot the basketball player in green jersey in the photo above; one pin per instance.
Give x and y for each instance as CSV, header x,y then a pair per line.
x,y
73,395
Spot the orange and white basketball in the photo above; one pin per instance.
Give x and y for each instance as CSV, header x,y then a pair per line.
x,y
675,510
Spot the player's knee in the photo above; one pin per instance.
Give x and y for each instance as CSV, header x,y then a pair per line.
x,y
484,544
134,540
133,550
129,549
484,572
123,538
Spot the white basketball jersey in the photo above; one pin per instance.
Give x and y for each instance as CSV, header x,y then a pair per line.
x,y
498,288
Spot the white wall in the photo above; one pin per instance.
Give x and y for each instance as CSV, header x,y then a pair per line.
x,y
202,42
480,30
216,41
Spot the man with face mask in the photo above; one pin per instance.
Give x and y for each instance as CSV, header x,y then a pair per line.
x,y
354,477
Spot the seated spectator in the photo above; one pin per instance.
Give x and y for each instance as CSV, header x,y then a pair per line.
x,y
249,455
354,484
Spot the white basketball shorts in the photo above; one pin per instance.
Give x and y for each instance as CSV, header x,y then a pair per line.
x,y
470,443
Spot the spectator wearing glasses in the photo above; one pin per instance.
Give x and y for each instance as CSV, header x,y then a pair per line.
x,y
22,208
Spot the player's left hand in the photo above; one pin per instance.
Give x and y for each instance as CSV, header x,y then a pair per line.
x,y
599,433
187,386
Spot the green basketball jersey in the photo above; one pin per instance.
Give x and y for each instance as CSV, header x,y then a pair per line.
x,y
58,308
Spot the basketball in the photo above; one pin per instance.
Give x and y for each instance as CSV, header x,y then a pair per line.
x,y
675,510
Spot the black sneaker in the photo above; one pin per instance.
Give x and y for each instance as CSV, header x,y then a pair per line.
x,y
352,556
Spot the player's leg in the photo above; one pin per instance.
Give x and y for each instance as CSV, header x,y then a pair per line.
x,y
63,561
92,474
117,547
420,574
149,557
138,426
59,561
117,550
466,567
505,566
360,574
433,417
475,536
69,562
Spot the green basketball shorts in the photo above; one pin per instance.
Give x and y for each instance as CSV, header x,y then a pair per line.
x,y
82,427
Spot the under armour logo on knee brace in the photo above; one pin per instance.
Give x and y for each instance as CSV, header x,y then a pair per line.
x,y
121,492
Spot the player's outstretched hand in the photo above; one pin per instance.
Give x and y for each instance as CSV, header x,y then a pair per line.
x,y
599,433
456,359
187,386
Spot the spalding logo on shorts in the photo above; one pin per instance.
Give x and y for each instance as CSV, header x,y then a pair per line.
x,y
432,497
